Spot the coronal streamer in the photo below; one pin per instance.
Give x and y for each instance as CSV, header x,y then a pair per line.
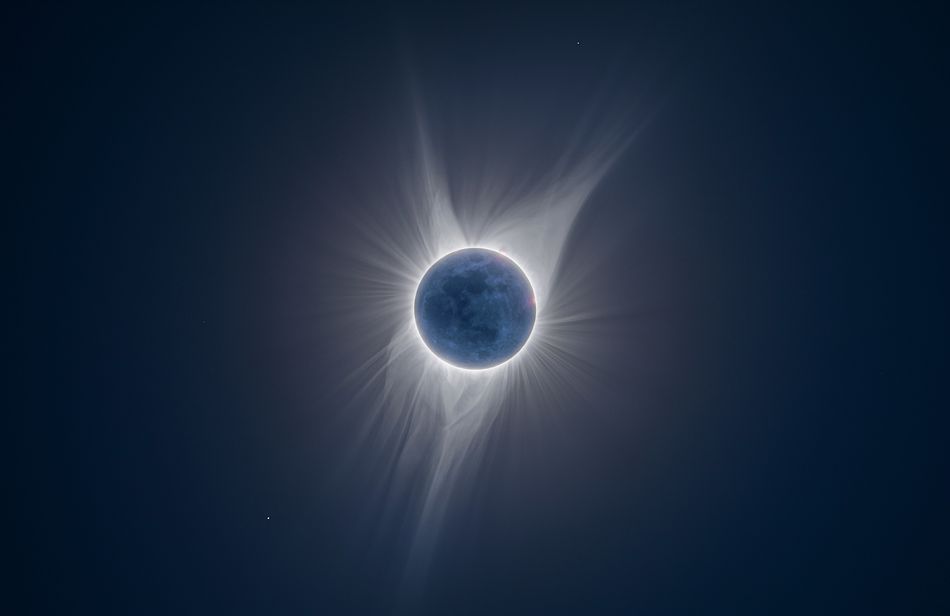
x,y
429,419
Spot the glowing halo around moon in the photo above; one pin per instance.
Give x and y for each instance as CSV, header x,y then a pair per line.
x,y
426,421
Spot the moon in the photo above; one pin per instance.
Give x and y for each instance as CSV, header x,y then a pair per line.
x,y
475,308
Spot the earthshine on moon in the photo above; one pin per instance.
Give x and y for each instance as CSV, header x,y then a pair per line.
x,y
475,308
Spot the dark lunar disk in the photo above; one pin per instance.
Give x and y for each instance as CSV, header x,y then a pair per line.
x,y
475,308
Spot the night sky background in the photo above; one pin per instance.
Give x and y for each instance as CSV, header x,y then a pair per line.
x,y
768,430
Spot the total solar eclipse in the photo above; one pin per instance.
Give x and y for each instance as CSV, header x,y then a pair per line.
x,y
475,308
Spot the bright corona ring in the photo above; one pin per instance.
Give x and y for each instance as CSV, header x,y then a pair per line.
x,y
475,308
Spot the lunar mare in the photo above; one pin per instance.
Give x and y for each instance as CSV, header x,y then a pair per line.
x,y
475,308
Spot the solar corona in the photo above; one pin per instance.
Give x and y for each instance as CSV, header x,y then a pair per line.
x,y
467,302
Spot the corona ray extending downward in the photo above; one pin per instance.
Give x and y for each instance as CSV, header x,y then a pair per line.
x,y
473,309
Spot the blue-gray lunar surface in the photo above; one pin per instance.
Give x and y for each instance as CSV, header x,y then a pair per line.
x,y
475,308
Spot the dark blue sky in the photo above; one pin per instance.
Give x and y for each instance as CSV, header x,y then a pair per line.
x,y
767,434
